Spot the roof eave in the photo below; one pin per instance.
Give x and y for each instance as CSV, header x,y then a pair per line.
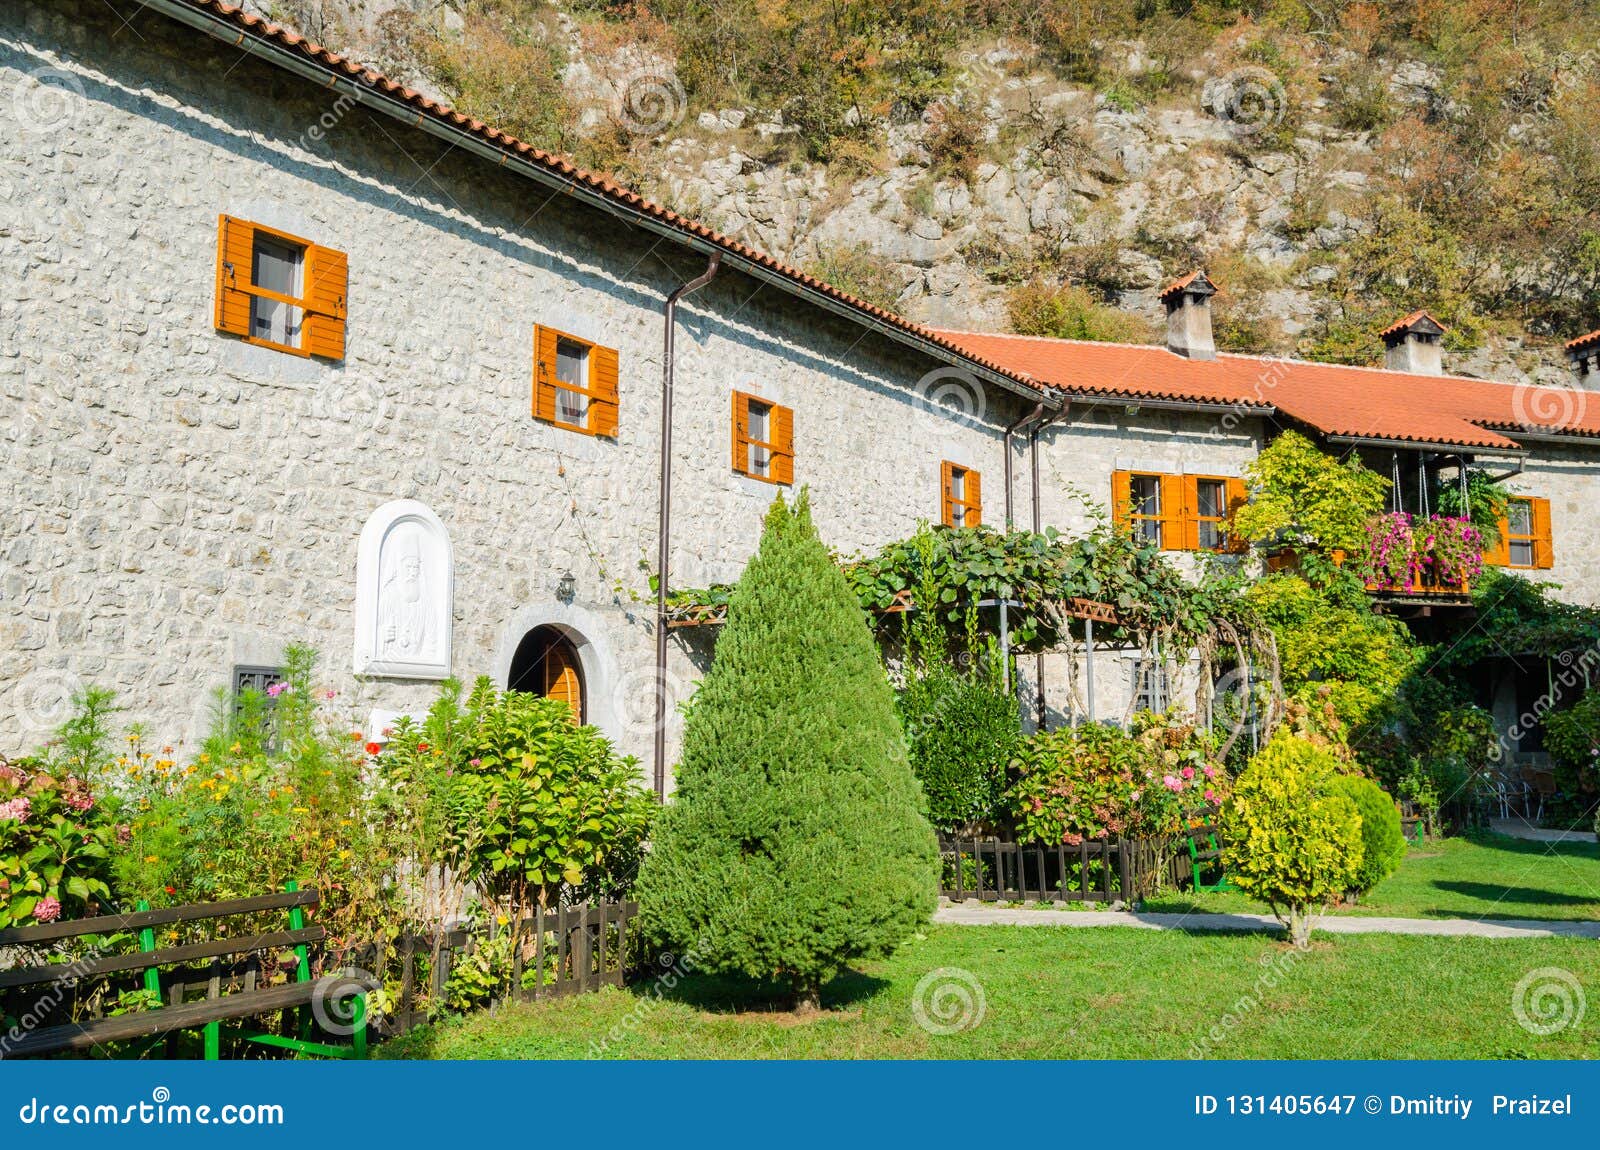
x,y
282,56
1511,452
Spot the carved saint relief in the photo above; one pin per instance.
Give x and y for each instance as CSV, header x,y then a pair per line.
x,y
403,594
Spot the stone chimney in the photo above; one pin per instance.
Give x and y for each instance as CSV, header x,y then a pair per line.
x,y
1189,316
1584,355
1412,345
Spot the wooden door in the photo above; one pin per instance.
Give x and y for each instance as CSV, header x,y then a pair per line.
x,y
561,679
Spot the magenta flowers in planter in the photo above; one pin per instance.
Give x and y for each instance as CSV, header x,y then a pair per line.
x,y
1404,552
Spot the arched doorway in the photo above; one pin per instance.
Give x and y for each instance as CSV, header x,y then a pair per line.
x,y
546,663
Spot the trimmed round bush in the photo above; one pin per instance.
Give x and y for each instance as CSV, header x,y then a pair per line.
x,y
1293,838
1382,839
796,841
963,729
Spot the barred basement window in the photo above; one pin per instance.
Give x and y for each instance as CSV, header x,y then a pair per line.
x,y
1151,689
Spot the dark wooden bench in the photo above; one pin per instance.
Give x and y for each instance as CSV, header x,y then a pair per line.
x,y
1205,854
226,973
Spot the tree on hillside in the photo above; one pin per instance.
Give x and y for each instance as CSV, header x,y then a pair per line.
x,y
796,841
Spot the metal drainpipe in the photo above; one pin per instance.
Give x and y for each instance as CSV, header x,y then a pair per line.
x,y
664,528
1033,465
1010,431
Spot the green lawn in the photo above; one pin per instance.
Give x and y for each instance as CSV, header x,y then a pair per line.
x,y
1485,876
1091,992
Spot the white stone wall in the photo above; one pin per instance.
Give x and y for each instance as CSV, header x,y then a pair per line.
x,y
178,502
1570,479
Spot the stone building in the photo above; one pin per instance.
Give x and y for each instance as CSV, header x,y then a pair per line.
x,y
292,354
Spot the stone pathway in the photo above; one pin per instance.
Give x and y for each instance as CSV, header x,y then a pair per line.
x,y
989,914
1522,829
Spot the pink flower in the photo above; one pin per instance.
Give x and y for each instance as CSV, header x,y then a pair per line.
x,y
1210,772
79,801
1135,796
17,809
1211,796
330,693
1187,772
47,909
276,689
1172,783
475,762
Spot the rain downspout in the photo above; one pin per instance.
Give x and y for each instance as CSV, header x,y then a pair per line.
x,y
664,527
1033,465
1012,429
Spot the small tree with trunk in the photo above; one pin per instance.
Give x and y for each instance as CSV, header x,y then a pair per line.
x,y
1293,838
796,841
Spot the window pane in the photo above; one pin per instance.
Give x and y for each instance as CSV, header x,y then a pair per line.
x,y
958,485
1146,495
1149,529
572,368
759,423
1522,553
1212,537
1208,494
1519,516
275,266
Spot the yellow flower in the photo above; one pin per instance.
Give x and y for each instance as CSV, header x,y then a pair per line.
x,y
205,758
234,750
501,919
151,858
344,854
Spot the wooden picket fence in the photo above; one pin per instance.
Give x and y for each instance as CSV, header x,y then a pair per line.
x,y
561,950
1095,870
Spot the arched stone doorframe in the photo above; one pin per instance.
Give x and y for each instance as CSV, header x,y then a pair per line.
x,y
586,632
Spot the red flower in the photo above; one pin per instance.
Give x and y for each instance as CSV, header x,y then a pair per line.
x,y
374,748
422,746
172,890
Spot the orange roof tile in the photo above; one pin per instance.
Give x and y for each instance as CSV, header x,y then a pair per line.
x,y
1583,341
1353,402
594,182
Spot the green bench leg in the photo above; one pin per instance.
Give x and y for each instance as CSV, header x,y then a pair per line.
x,y
358,1018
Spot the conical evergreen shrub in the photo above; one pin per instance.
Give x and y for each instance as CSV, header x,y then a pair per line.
x,y
796,841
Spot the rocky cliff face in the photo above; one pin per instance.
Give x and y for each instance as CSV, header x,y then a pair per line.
x,y
1016,175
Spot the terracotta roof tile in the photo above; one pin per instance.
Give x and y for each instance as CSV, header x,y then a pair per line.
x,y
1358,402
1583,341
1406,321
594,181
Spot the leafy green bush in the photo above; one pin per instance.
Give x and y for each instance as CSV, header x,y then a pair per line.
x,y
963,728
1302,495
55,844
1292,839
525,801
1335,648
1382,839
1573,737
1066,311
797,840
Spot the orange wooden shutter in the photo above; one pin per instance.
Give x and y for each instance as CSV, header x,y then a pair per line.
x,y
741,433
1500,554
603,404
544,373
327,275
1174,513
782,424
1121,497
947,502
974,516
1188,512
1237,495
1543,549
235,254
